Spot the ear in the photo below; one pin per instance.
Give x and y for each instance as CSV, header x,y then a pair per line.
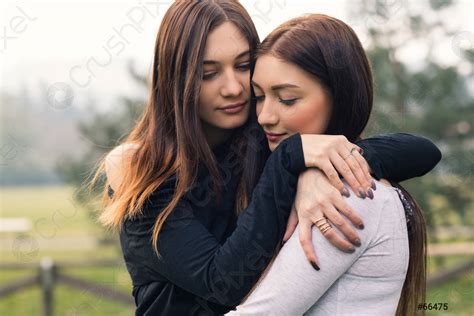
x,y
115,162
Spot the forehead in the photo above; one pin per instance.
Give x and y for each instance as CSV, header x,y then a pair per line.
x,y
225,42
270,70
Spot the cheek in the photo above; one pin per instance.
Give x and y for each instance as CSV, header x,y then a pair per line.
x,y
258,108
205,93
208,94
244,79
307,118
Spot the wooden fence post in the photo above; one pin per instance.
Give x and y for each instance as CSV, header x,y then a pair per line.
x,y
47,280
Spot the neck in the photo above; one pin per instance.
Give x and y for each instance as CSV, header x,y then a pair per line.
x,y
215,135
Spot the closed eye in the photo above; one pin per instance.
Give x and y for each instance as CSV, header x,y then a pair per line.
x,y
288,101
209,75
244,66
258,98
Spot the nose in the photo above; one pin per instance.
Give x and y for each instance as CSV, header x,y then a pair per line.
x,y
232,87
266,115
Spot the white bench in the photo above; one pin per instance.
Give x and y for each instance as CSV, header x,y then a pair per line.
x,y
15,225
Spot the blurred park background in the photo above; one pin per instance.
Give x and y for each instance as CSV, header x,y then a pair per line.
x,y
73,82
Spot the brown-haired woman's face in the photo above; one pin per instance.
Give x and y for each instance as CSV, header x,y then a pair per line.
x,y
289,100
225,87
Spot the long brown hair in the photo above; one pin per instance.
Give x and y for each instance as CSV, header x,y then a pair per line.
x,y
168,137
331,52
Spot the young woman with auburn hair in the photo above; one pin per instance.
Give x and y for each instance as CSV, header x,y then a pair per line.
x,y
315,68
200,203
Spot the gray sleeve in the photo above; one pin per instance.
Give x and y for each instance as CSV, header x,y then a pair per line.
x,y
291,285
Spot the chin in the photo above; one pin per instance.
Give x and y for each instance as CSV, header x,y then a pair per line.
x,y
239,121
233,122
272,146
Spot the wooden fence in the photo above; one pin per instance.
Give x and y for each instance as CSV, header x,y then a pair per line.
x,y
50,273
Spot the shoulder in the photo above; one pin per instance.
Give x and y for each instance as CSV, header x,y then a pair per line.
x,y
122,150
382,195
115,162
385,207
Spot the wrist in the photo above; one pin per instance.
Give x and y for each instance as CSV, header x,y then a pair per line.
x,y
305,144
309,178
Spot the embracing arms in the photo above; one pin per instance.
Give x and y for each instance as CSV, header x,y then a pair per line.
x,y
193,259
396,157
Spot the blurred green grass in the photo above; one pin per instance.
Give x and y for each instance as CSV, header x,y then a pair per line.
x,y
54,206
458,293
51,209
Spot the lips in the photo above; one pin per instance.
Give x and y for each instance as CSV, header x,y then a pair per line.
x,y
233,108
274,136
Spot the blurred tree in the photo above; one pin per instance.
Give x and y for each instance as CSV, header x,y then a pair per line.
x,y
428,98
103,131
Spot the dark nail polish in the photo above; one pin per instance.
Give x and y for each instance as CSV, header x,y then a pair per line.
x,y
361,151
361,226
361,194
315,266
370,194
351,250
372,184
357,242
346,193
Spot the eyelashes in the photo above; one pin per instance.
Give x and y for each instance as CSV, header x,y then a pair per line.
x,y
288,102
258,99
209,76
244,67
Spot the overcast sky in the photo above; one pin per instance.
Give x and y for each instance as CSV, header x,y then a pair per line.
x,y
53,41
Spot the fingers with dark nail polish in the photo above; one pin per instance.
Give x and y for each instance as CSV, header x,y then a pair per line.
x,y
370,194
315,266
372,184
346,193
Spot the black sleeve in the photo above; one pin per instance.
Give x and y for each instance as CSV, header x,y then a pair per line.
x,y
399,156
193,259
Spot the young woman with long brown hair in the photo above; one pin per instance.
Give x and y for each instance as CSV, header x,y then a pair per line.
x,y
200,204
299,71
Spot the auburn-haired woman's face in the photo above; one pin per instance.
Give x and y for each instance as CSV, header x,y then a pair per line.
x,y
225,87
289,100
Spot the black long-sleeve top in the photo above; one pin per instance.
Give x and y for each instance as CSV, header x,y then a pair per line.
x,y
210,258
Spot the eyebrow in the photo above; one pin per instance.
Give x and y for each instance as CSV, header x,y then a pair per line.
x,y
278,86
212,62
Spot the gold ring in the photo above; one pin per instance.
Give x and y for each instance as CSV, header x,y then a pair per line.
x,y
323,224
324,228
320,221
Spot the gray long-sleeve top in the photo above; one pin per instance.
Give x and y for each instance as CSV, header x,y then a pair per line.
x,y
366,282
